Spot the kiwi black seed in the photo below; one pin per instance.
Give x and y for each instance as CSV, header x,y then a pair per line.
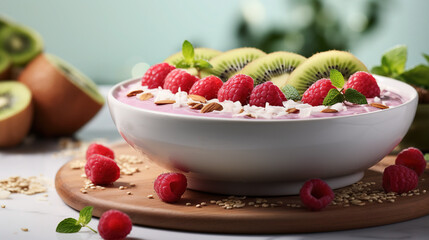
x,y
275,67
20,43
319,66
5,66
229,63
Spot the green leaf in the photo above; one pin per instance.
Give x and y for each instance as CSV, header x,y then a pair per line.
x,y
68,225
291,93
426,57
427,157
394,59
183,64
379,70
354,96
188,52
334,96
85,215
337,78
418,75
202,64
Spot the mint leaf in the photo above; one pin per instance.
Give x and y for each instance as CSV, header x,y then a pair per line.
x,y
394,60
188,52
354,96
183,64
85,215
201,64
68,225
418,75
427,157
337,78
426,57
291,93
379,70
334,96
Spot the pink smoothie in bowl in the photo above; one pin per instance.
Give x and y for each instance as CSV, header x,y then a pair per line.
x,y
272,154
389,97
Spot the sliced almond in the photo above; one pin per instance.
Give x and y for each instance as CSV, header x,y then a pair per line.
x,y
146,96
292,110
197,98
329,110
133,93
163,102
241,110
197,106
211,107
250,115
379,105
191,104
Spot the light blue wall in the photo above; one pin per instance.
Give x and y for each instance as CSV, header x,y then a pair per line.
x,y
105,38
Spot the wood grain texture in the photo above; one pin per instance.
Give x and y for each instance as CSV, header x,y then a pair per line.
x,y
249,220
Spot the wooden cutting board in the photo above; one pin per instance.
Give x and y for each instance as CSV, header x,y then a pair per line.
x,y
285,217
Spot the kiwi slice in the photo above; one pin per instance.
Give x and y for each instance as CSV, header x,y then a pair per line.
x,y
16,112
229,63
275,67
319,66
21,43
64,98
5,66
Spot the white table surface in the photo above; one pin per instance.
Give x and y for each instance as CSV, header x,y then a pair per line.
x,y
36,157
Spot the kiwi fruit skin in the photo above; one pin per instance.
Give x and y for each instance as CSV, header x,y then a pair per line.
x,y
22,44
61,107
319,65
5,66
275,67
14,126
229,63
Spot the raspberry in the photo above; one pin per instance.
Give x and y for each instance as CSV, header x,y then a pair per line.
x,y
179,78
412,158
364,83
207,87
170,186
317,92
315,194
114,225
399,179
267,93
237,88
99,149
155,75
101,170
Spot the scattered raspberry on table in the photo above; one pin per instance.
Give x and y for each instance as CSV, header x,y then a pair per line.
x,y
412,158
399,179
101,170
170,186
95,148
316,194
114,225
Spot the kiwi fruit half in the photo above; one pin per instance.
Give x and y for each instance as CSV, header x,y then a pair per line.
x,y
16,113
229,63
22,44
64,98
319,66
5,66
275,67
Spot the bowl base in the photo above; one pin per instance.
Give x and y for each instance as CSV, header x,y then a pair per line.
x,y
265,188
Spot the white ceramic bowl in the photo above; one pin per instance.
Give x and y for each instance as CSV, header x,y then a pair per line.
x,y
265,157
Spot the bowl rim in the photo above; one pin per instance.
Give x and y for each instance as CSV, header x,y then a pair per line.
x,y
111,98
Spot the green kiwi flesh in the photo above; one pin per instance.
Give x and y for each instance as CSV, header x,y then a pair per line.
x,y
20,43
275,67
200,53
77,78
319,66
14,97
5,66
229,63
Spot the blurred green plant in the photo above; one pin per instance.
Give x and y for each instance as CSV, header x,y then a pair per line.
x,y
325,28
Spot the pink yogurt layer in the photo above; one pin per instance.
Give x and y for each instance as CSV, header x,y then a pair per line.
x,y
387,98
